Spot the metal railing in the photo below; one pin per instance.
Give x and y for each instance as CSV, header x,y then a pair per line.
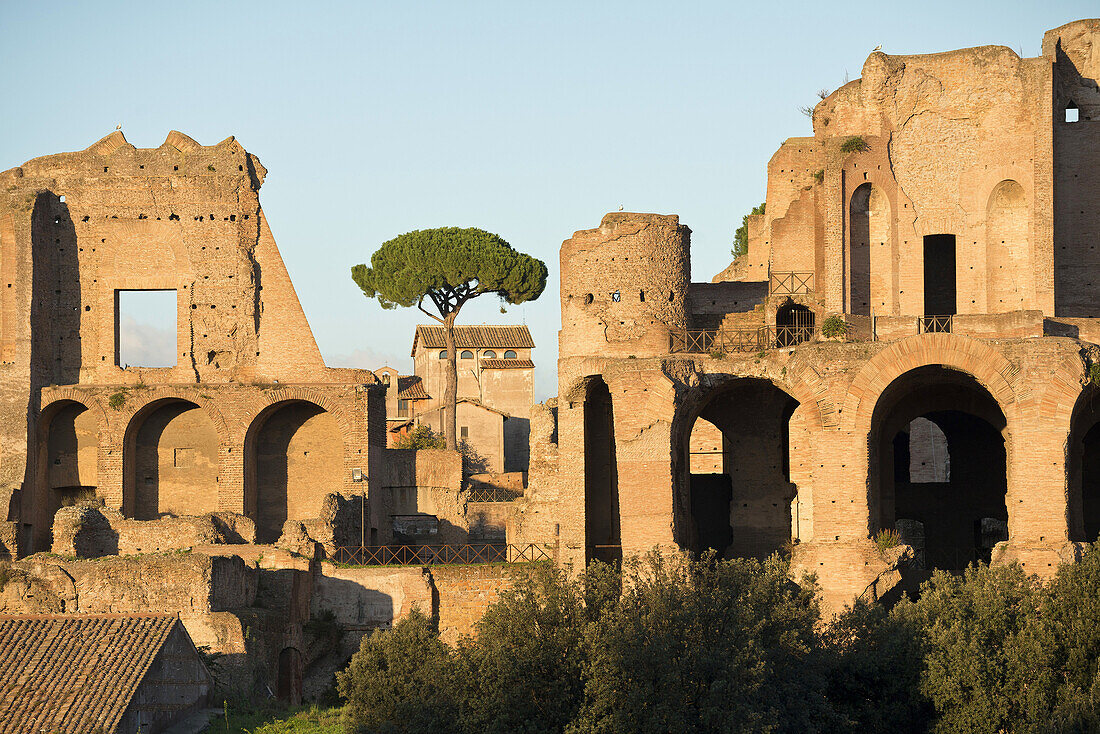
x,y
934,324
703,341
790,284
492,494
438,555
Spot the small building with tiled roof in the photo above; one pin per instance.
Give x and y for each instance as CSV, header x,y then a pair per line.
x,y
110,673
495,383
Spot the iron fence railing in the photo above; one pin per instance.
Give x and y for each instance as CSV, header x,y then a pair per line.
x,y
492,494
934,324
438,555
703,341
791,284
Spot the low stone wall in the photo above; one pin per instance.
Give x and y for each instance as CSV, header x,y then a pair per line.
x,y
363,599
465,592
90,531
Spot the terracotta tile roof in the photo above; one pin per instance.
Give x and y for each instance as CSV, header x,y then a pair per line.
x,y
484,336
74,673
411,387
506,364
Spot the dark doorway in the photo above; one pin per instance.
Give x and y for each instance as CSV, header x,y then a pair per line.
x,y
603,538
859,217
740,506
794,324
939,275
1090,484
938,466
290,676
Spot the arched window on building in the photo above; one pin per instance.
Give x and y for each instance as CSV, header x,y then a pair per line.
x,y
510,354
466,354
489,354
443,354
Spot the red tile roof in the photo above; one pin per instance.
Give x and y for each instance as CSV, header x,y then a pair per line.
x,y
506,364
74,673
484,336
411,387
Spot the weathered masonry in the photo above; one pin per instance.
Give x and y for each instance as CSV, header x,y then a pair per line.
x,y
945,211
247,420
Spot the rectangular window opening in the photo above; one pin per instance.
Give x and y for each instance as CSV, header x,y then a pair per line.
x,y
145,328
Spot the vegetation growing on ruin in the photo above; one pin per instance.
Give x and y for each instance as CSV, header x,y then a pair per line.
x,y
423,437
449,266
854,144
741,235
117,401
737,646
886,539
834,327
1094,373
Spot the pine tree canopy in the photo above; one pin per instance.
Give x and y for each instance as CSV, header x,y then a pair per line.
x,y
449,265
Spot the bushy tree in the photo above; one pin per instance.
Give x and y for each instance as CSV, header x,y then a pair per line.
x,y
872,664
401,681
526,663
449,267
705,646
741,235
986,668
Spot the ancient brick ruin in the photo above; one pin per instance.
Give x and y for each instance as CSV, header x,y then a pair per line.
x,y
945,210
909,345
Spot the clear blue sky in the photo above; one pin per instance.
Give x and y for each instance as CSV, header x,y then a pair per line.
x,y
528,119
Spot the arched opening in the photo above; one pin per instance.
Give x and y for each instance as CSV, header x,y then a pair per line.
x,y
859,216
294,456
1007,247
289,684
602,530
794,324
1083,468
67,447
739,503
938,466
872,264
170,461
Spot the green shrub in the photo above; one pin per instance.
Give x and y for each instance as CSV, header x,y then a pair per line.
x,y
854,144
887,538
834,327
1094,374
118,400
819,175
717,354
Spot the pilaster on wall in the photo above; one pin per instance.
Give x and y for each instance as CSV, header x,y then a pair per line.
x,y
644,405
835,256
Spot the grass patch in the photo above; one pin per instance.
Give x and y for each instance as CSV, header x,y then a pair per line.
x,y
301,720
854,144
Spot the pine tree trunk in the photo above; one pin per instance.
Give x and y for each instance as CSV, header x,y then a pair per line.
x,y
450,391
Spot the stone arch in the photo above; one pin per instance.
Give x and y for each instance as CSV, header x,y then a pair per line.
x,y
988,366
602,519
172,455
872,252
138,402
745,510
1008,248
66,446
951,519
311,395
293,458
1083,466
